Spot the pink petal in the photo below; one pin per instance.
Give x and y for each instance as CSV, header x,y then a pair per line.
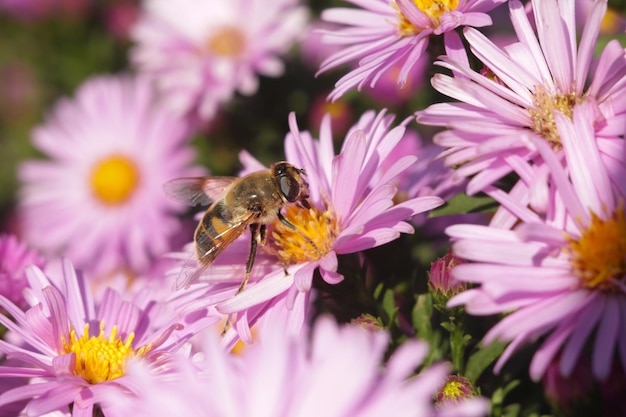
x,y
270,286
555,42
550,348
606,337
591,309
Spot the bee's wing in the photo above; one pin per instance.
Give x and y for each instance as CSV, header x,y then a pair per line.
x,y
213,245
197,190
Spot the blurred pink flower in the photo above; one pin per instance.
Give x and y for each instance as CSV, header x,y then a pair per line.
x,y
336,371
499,111
76,351
201,51
383,34
387,92
15,256
353,209
120,17
561,276
39,9
341,114
99,198
312,49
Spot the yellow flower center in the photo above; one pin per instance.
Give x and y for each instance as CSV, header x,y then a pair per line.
x,y
598,256
311,239
227,41
542,114
114,179
453,390
434,9
100,359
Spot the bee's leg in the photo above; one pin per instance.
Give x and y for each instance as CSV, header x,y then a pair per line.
x,y
262,229
292,226
258,233
227,326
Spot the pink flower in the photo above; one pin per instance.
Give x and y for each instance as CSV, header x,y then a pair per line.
x,y
201,51
40,9
15,256
352,198
561,276
75,352
98,198
381,35
501,109
337,371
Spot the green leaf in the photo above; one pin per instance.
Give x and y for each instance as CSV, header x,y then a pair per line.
x,y
462,204
386,299
422,312
481,359
497,401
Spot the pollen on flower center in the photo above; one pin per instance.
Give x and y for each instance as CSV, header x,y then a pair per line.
x,y
542,114
114,179
434,9
227,41
311,239
101,358
598,257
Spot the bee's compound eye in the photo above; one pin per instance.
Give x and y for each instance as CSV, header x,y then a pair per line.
x,y
290,188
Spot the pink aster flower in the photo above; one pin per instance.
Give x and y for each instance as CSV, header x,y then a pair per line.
x,y
15,256
562,276
382,35
337,371
512,99
75,351
201,51
352,198
98,199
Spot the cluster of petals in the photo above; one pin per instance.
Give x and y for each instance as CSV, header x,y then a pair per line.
x,y
382,35
533,271
200,52
356,188
46,376
337,371
97,198
498,112
15,256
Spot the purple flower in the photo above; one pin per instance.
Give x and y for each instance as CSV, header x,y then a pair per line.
x,y
76,351
562,276
99,197
337,371
201,51
352,198
501,108
15,256
381,35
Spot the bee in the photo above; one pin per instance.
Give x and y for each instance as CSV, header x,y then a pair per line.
x,y
253,201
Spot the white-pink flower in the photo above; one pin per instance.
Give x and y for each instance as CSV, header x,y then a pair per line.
x,y
98,196
353,209
384,36
74,352
336,371
562,276
501,108
200,52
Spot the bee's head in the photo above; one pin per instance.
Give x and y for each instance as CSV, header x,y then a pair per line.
x,y
293,186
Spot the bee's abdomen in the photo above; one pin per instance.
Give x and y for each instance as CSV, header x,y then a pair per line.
x,y
211,231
